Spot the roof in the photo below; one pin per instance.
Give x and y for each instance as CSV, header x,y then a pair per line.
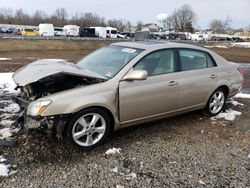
x,y
146,45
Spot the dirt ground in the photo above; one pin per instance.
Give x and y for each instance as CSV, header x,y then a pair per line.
x,y
23,52
189,150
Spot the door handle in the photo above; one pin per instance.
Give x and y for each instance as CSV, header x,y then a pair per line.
x,y
213,76
172,83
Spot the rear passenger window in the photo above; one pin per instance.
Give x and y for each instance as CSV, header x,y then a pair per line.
x,y
156,63
194,59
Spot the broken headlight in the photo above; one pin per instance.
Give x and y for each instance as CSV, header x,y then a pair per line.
x,y
36,108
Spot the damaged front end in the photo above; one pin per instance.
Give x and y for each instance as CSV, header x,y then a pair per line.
x,y
44,84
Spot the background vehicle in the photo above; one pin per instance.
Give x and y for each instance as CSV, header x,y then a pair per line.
x,y
11,30
197,37
28,32
100,32
46,29
87,32
111,32
71,30
59,32
124,84
174,36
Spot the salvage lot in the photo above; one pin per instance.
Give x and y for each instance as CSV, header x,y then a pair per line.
x,y
188,150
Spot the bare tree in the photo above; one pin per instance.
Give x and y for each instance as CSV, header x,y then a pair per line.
x,y
62,15
182,19
139,25
120,24
39,17
7,14
21,17
220,26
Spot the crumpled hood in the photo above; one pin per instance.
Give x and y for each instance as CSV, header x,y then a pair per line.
x,y
46,67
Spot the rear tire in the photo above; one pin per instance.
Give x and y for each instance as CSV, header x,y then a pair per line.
x,y
88,128
216,102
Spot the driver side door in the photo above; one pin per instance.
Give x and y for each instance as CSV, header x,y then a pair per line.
x,y
157,95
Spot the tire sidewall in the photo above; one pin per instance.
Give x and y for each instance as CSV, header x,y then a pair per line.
x,y
68,130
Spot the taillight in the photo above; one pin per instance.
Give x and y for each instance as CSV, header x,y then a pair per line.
x,y
241,70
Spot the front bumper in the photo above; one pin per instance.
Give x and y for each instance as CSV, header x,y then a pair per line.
x,y
23,103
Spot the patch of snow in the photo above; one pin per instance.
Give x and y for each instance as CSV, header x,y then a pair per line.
x,y
6,123
202,182
5,168
11,108
213,119
221,46
208,46
235,103
241,44
228,115
113,151
119,186
5,58
115,170
217,46
132,175
7,132
248,156
7,84
242,95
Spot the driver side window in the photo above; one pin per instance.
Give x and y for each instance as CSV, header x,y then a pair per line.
x,y
156,63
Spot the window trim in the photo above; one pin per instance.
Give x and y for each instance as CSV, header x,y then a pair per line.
x,y
176,64
207,54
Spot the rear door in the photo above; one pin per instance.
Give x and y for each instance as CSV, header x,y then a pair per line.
x,y
154,96
197,77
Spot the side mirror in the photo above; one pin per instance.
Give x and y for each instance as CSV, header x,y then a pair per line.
x,y
136,75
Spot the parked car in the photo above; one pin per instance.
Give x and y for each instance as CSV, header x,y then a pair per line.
x,y
11,30
28,32
176,36
121,85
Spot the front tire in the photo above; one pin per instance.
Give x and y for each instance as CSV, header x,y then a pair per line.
x,y
216,102
88,128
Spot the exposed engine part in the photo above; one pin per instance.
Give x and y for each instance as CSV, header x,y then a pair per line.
x,y
53,84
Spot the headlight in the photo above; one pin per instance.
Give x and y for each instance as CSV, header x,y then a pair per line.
x,y
36,108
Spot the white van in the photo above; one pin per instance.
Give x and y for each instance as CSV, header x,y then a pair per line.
x,y
111,32
197,37
100,32
46,29
71,30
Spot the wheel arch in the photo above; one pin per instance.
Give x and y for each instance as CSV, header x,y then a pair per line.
x,y
224,87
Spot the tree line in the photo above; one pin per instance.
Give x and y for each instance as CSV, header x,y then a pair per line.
x,y
60,18
182,19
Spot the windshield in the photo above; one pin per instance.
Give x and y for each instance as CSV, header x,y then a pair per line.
x,y
108,61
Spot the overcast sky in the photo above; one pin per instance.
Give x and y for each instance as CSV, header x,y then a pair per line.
x,y
145,10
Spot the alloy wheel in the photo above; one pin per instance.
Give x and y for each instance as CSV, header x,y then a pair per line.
x,y
89,129
216,102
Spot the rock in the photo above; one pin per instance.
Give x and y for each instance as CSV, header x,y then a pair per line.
x,y
235,151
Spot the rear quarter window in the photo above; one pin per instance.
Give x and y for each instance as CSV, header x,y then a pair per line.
x,y
195,59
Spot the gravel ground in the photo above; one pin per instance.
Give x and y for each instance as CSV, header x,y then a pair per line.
x,y
190,150
185,151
